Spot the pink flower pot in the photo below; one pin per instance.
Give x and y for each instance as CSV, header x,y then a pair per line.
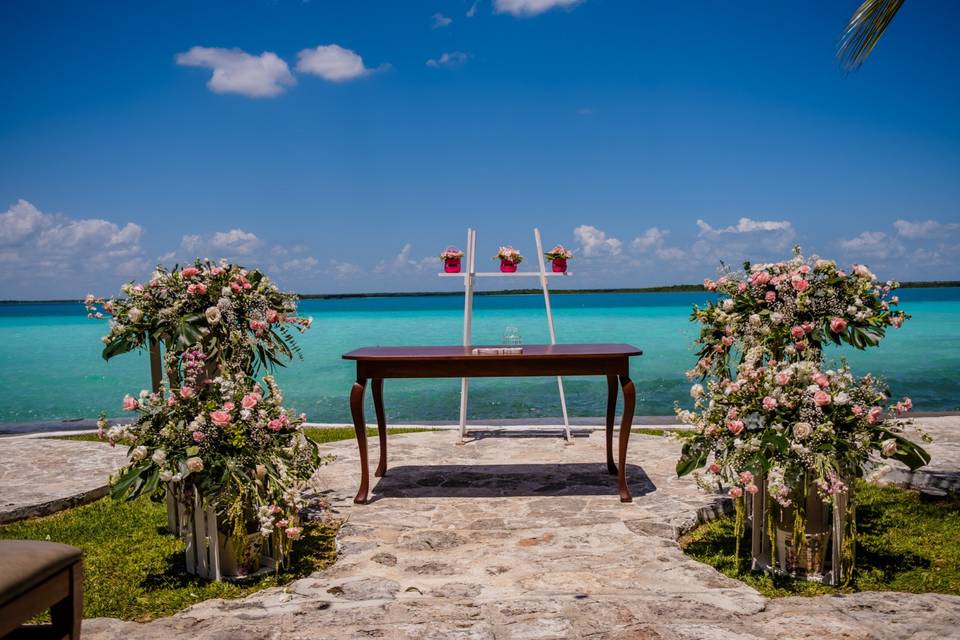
x,y
507,266
559,265
451,265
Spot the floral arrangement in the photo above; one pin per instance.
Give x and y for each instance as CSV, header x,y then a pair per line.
x,y
559,252
508,254
451,253
212,429
231,439
770,412
240,318
792,309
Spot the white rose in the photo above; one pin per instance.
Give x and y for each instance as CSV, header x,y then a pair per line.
x,y
166,476
696,391
225,292
213,315
176,478
802,430
888,447
755,319
841,398
159,456
728,305
195,465
135,314
139,453
776,317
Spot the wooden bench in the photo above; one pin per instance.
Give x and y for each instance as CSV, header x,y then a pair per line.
x,y
36,576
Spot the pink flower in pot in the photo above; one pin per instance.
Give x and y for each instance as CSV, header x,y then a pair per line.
x,y
559,256
509,259
451,259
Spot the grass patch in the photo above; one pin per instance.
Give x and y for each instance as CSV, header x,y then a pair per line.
x,y
903,544
135,570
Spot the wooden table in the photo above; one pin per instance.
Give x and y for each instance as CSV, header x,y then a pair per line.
x,y
378,363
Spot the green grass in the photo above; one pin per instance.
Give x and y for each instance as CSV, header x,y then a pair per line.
x,y
134,569
903,544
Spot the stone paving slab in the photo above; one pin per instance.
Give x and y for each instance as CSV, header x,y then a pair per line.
x,y
509,537
40,476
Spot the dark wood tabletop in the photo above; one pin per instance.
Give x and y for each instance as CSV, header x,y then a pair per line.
x,y
461,352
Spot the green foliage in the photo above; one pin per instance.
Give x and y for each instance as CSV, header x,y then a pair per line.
x,y
904,544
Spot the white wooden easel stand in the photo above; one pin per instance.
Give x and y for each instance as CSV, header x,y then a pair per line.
x,y
468,281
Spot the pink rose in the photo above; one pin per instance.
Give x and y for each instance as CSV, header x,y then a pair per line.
x,y
857,410
769,403
727,341
283,523
838,325
807,327
275,425
741,287
130,403
228,406
797,332
800,345
783,378
190,272
770,297
198,436
746,477
904,405
216,271
709,285
821,398
800,284
713,468
293,533
874,414
761,278
186,392
821,379
257,325
804,269
220,418
735,492
249,401
735,427
272,315
198,288
752,488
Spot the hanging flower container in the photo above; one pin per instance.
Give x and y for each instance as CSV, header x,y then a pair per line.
x,y
509,259
558,257
451,257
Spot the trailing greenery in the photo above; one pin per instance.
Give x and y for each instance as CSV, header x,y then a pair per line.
x,y
904,543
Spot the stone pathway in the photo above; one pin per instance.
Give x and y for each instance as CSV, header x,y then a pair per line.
x,y
39,476
524,537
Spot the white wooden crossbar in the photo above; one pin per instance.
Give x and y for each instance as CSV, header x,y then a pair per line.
x,y
469,276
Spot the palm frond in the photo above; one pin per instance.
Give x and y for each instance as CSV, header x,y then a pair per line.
x,y
862,33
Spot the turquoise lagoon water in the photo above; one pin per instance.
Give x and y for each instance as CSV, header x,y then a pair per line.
x,y
50,365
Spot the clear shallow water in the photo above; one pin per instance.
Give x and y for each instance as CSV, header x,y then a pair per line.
x,y
51,369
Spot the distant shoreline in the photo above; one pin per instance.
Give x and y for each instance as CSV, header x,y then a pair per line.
x,y
674,288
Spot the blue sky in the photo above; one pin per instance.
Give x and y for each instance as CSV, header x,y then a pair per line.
x,y
342,145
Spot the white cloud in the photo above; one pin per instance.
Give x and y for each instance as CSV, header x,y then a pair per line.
x,y
449,59
746,225
924,228
652,242
472,11
332,62
66,250
595,242
236,71
526,8
439,21
344,269
220,244
235,241
876,245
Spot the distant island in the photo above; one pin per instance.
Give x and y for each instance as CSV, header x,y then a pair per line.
x,y
673,288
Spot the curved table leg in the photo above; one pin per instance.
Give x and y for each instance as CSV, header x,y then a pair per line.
x,y
611,416
360,427
626,423
377,389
